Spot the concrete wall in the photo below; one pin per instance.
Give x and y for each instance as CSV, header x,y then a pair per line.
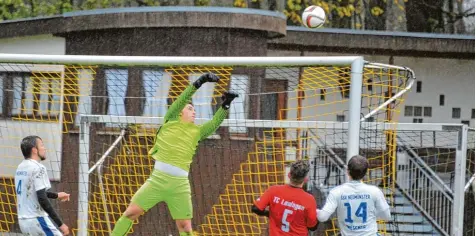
x,y
12,133
452,77
40,44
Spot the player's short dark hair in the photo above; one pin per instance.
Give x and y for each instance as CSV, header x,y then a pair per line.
x,y
27,144
358,166
299,170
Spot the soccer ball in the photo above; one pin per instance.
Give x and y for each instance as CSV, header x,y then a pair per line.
x,y
313,17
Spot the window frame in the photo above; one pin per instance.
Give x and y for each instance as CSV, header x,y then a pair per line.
x,y
407,110
456,113
8,109
241,99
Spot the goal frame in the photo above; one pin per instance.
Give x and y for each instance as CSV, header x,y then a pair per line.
x,y
356,64
461,132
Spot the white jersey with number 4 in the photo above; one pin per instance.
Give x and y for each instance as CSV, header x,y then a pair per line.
x,y
358,205
30,177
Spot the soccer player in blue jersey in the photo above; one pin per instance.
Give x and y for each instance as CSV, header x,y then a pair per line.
x,y
32,187
358,205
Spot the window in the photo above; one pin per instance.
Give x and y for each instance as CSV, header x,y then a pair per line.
x,y
344,86
31,94
408,111
369,85
456,113
238,108
442,100
418,86
427,111
417,111
417,120
50,96
344,82
85,84
465,122
340,118
202,99
370,119
116,81
36,96
387,96
156,89
472,113
22,95
323,94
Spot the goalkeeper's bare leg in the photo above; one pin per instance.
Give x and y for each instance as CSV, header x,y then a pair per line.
x,y
124,224
184,227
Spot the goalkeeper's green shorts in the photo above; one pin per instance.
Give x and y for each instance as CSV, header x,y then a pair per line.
x,y
174,191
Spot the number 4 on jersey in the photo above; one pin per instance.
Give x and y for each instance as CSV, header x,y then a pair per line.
x,y
360,212
19,188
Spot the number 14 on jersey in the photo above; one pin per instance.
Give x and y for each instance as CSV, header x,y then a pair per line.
x,y
361,212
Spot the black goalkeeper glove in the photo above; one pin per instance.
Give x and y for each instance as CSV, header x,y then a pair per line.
x,y
207,77
227,98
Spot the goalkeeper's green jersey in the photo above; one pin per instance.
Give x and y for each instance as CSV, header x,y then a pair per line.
x,y
177,141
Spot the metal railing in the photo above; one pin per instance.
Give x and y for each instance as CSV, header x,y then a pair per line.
x,y
428,193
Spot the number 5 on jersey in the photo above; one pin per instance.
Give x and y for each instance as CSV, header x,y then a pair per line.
x,y
284,221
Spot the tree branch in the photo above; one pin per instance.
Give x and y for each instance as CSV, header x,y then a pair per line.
x,y
457,15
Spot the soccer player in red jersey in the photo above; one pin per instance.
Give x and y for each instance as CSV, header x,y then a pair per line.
x,y
291,210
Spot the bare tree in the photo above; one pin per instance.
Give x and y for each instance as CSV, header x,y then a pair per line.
x,y
468,8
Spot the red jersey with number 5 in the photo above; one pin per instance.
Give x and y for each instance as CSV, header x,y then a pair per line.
x,y
291,210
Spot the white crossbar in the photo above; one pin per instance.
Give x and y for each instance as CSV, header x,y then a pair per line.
x,y
175,61
129,120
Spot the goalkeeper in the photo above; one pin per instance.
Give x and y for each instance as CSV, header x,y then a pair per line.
x,y
173,151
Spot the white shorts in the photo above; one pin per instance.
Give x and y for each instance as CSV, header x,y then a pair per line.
x,y
38,226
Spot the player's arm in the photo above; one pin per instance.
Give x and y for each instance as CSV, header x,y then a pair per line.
x,y
47,207
211,126
51,195
311,218
177,106
259,212
61,196
329,208
259,206
40,187
381,206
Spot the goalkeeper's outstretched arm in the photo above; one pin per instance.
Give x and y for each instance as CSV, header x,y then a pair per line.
x,y
177,106
211,126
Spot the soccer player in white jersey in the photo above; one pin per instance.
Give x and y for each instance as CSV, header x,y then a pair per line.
x,y
358,205
31,187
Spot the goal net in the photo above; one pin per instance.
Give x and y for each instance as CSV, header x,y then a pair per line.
x,y
98,117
